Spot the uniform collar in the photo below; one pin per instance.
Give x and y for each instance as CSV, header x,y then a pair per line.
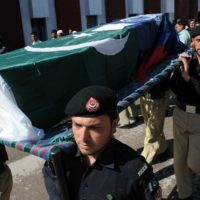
x,y
106,158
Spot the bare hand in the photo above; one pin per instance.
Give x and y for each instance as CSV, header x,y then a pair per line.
x,y
185,58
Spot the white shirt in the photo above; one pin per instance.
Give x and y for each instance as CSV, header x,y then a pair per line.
x,y
184,37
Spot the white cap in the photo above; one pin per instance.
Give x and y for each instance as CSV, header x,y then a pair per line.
x,y
60,32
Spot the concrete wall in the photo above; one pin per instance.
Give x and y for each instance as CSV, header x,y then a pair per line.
x,y
72,14
30,10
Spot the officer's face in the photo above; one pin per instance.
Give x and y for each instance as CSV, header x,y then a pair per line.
x,y
196,44
93,133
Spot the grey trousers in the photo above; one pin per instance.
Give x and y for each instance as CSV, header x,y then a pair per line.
x,y
186,128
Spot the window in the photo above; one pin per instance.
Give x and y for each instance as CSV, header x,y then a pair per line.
x,y
38,25
91,21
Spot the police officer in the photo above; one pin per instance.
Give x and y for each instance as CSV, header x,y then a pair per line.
x,y
153,106
185,83
5,175
103,167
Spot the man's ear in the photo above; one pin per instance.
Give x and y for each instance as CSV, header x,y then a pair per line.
x,y
192,43
114,124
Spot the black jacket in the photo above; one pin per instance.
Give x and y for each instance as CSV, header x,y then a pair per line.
x,y
3,158
119,173
187,92
3,154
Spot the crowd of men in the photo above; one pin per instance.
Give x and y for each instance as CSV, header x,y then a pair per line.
x,y
54,34
105,168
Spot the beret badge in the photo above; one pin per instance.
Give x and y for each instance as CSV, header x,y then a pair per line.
x,y
92,105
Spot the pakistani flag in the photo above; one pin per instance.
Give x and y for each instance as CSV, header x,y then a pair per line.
x,y
44,77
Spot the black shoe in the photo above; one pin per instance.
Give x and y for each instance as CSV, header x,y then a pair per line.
x,y
188,198
123,126
162,157
137,119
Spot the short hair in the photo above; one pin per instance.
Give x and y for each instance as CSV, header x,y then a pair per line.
x,y
195,32
54,31
192,20
180,22
34,33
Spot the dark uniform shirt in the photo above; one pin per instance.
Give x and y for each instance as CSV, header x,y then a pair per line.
x,y
119,173
187,92
3,153
3,157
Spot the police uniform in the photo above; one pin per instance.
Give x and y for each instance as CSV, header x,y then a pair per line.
x,y
186,127
119,172
153,106
5,175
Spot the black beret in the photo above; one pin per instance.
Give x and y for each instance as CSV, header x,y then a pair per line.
x,y
93,101
195,31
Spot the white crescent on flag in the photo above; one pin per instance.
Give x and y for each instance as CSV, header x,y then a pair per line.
x,y
108,46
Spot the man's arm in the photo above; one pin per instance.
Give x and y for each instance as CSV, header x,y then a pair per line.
x,y
147,187
185,72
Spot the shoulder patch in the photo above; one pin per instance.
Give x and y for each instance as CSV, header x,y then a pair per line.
x,y
142,170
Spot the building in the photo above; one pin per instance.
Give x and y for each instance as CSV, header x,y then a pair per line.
x,y
20,17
